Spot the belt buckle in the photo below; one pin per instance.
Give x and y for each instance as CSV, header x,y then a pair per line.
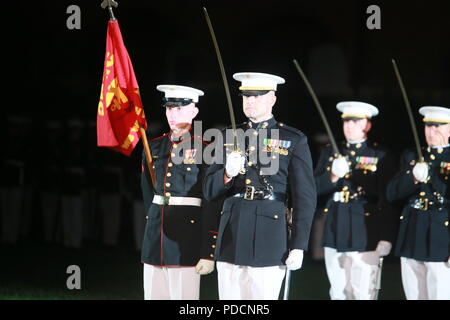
x,y
345,196
249,193
423,204
166,201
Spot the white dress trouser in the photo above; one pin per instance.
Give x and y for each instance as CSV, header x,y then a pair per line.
x,y
425,280
249,283
161,283
352,275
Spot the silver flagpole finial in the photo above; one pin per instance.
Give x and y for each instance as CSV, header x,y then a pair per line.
x,y
109,4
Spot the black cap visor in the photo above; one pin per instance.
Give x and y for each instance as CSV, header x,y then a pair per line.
x,y
176,102
248,93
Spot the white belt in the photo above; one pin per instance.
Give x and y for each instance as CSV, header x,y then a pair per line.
x,y
177,201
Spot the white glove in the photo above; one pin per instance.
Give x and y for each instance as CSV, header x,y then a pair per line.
x,y
420,171
204,267
295,259
383,248
235,162
448,262
340,167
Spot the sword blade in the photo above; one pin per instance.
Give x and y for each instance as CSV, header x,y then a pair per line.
x,y
408,108
287,284
319,108
224,78
378,278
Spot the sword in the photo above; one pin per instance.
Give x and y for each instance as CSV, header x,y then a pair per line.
x,y
378,279
287,284
408,108
287,278
319,108
224,79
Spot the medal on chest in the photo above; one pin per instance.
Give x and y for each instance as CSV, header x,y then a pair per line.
x,y
367,163
277,146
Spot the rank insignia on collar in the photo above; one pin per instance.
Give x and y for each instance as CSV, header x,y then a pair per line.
x,y
277,146
367,163
189,156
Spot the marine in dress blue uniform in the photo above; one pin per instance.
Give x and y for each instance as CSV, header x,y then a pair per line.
x,y
254,246
360,223
181,229
424,240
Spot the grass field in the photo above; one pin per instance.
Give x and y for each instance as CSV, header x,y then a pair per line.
x,y
37,271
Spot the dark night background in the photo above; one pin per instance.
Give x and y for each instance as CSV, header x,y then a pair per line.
x,y
54,74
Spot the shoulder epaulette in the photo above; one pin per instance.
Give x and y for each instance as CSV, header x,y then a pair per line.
x,y
159,138
289,128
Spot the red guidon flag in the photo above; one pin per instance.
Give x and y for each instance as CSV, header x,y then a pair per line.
x,y
120,112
